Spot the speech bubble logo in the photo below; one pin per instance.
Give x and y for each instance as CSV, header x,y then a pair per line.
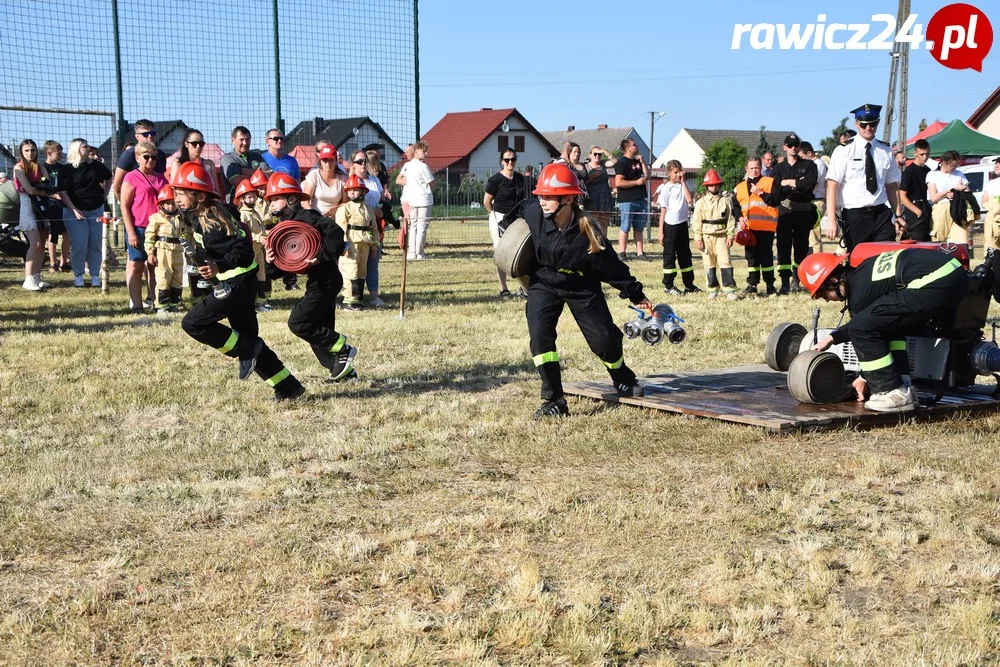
x,y
960,37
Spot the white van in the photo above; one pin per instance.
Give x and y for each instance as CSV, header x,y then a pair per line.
x,y
979,175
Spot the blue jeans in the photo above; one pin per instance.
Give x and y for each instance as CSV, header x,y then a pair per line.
x,y
633,215
84,240
371,280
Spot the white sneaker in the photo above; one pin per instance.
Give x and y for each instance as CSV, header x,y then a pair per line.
x,y
410,258
78,281
713,295
421,257
903,399
30,285
732,296
42,283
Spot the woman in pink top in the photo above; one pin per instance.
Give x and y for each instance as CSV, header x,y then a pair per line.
x,y
325,185
138,202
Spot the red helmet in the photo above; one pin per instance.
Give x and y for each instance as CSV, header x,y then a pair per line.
x,y
166,193
712,178
243,188
746,237
194,176
355,183
282,185
816,268
557,179
258,179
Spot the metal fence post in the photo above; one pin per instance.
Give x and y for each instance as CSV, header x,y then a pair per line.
x,y
447,190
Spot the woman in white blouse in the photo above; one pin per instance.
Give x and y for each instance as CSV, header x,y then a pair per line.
x,y
941,187
325,184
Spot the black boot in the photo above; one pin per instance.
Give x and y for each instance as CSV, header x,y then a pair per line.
x,y
175,297
625,382
555,407
712,279
785,288
163,300
727,278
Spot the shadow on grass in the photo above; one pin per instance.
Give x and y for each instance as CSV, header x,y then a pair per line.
x,y
122,319
477,378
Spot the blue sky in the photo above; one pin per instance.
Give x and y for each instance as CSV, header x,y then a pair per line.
x,y
612,63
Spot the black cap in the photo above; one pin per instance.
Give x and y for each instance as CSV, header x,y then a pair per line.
x,y
996,159
792,140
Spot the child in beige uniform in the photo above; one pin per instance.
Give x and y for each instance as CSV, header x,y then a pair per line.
x,y
361,231
245,197
164,253
714,229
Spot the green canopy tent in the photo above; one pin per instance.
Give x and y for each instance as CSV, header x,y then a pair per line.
x,y
957,136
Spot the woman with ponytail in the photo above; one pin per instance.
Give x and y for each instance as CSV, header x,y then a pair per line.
x,y
226,255
573,259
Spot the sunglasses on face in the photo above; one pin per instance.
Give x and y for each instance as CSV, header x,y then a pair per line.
x,y
146,156
359,162
865,126
510,159
199,144
150,133
275,138
596,154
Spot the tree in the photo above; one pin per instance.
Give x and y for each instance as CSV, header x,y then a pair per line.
x,y
727,157
763,146
831,142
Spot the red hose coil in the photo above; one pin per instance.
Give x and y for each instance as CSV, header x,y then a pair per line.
x,y
294,243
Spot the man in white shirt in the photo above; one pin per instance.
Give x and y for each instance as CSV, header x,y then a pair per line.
x,y
863,178
991,210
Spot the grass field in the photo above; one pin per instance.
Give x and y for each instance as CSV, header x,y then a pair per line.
x,y
155,510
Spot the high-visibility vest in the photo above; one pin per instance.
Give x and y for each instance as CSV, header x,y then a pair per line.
x,y
760,217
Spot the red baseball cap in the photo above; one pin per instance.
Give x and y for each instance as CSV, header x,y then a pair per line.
x,y
328,152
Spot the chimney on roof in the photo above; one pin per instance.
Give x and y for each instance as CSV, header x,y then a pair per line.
x,y
487,109
602,126
317,123
571,128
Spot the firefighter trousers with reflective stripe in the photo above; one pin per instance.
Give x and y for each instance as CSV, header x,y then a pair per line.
x,y
894,316
793,235
677,248
202,324
590,310
313,317
760,259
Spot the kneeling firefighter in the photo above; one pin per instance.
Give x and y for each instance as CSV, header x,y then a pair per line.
x,y
224,253
573,259
889,296
312,318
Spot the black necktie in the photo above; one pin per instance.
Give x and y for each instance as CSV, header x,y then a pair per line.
x,y
870,181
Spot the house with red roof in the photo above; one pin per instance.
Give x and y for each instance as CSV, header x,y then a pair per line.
x,y
472,141
986,118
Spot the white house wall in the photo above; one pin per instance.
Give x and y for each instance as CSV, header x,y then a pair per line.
x,y
684,149
367,134
991,124
486,157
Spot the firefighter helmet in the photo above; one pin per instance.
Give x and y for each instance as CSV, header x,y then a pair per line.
x,y
194,176
816,268
243,188
282,185
166,193
355,183
258,179
746,237
557,179
712,178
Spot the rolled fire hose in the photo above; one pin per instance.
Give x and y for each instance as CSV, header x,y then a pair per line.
x,y
293,243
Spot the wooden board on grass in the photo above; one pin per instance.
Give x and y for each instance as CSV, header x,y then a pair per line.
x,y
758,396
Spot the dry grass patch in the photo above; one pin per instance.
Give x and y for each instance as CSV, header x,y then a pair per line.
x,y
155,510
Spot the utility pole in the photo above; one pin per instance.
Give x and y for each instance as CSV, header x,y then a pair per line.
x,y
899,67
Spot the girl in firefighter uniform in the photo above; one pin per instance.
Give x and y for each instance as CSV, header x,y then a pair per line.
x,y
163,248
357,220
245,198
226,254
312,318
714,228
573,259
